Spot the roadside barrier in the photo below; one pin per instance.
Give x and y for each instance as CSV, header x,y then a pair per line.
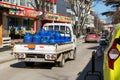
x,y
93,72
6,41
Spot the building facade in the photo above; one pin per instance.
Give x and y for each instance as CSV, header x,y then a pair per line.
x,y
62,7
22,16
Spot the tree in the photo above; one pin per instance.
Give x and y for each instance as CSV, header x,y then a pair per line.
x,y
98,23
114,15
80,9
39,5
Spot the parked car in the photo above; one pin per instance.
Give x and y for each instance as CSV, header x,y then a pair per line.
x,y
103,40
111,63
92,37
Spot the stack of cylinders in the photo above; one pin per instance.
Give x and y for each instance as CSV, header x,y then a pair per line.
x,y
27,38
43,36
36,38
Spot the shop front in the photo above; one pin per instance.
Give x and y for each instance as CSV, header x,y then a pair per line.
x,y
3,30
21,26
23,20
20,20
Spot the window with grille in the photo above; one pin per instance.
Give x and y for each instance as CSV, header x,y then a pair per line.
x,y
22,2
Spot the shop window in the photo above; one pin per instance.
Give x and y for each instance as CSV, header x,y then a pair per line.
x,y
13,1
51,7
13,21
47,6
6,0
22,2
28,23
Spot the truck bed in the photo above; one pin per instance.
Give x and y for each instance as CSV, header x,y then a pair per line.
x,y
42,48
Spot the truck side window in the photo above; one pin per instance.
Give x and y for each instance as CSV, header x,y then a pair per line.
x,y
46,28
62,29
67,30
56,27
50,27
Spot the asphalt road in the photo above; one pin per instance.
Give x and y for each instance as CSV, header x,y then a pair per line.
x,y
73,70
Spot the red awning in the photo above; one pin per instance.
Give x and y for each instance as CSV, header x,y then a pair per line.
x,y
52,1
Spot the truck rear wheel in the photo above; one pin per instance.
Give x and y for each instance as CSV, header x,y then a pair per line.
x,y
73,55
29,64
62,62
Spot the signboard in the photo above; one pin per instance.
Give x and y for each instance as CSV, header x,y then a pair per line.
x,y
57,17
29,12
20,10
24,12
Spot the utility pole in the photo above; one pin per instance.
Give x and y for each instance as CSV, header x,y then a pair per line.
x,y
53,11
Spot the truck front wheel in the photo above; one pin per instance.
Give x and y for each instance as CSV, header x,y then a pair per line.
x,y
29,64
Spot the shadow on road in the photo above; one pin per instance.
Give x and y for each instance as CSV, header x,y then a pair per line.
x,y
94,47
98,67
4,49
36,66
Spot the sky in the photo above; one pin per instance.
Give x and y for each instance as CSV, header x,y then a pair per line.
x,y
100,8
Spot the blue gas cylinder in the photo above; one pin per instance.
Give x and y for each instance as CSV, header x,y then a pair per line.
x,y
62,38
45,39
57,37
52,40
42,32
52,32
27,38
36,38
67,39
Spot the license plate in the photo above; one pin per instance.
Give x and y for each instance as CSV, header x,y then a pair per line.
x,y
34,59
31,48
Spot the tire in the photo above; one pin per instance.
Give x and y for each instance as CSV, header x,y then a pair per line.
x,y
74,54
62,62
29,64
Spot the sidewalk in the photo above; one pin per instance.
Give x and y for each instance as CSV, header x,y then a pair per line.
x,y
5,53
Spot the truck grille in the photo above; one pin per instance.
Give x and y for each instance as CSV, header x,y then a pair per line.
x,y
35,55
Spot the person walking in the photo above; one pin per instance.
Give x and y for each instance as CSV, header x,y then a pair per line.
x,y
12,32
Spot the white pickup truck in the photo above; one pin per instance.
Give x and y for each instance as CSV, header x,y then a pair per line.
x,y
55,53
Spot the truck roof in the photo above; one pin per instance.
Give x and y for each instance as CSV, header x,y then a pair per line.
x,y
58,24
